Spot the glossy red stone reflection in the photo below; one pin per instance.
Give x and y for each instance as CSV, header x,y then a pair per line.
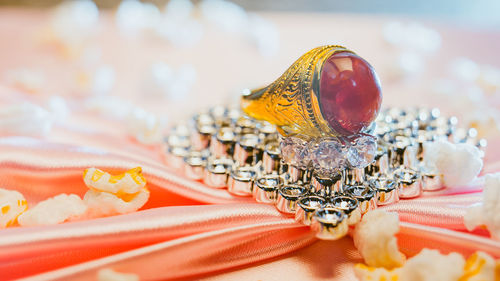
x,y
349,93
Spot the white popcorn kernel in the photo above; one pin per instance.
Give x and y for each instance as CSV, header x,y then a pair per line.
x,y
133,17
378,245
465,69
54,210
175,84
430,265
114,194
488,212
489,79
25,119
226,15
58,108
458,163
481,267
407,64
146,127
265,35
12,204
179,9
129,182
106,204
367,273
108,274
75,18
412,36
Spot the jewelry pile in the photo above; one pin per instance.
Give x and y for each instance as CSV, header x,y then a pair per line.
x,y
329,182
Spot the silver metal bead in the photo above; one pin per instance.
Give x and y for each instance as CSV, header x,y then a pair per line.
x,y
245,151
234,113
203,119
222,144
298,175
266,188
307,206
381,164
245,125
329,223
366,197
431,181
403,153
354,176
266,129
288,196
349,206
175,156
482,144
200,139
181,130
217,172
271,158
241,181
410,183
386,189
178,141
327,184
218,112
194,165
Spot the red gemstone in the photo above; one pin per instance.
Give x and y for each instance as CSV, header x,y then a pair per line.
x,y
349,93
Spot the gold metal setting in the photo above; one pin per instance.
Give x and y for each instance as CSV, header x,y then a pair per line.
x,y
292,101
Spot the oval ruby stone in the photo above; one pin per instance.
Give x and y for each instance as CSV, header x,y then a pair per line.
x,y
349,93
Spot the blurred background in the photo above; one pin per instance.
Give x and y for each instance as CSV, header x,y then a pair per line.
x,y
151,63
480,12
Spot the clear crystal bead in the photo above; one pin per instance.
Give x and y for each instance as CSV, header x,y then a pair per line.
x,y
295,151
328,155
362,151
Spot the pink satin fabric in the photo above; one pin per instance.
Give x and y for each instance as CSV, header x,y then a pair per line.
x,y
188,230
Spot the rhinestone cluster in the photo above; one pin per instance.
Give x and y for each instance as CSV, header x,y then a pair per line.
x,y
327,183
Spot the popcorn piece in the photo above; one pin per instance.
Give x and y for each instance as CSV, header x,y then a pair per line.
x,y
428,265
412,36
71,25
488,212
130,182
178,26
106,204
108,274
406,64
12,204
146,127
58,108
481,267
25,119
367,273
54,210
465,69
458,163
133,17
165,81
375,240
110,195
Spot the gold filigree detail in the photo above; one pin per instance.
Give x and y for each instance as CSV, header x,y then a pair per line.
x,y
291,102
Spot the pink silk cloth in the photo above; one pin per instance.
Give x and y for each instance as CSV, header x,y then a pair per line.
x,y
188,230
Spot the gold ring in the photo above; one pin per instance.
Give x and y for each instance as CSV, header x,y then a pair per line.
x,y
329,91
